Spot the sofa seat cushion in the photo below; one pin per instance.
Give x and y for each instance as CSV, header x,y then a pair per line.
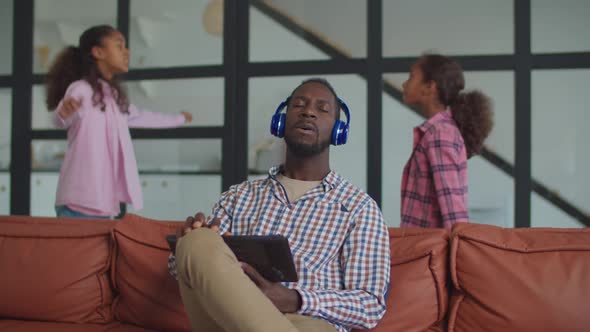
x,y
535,279
148,295
56,269
32,326
418,293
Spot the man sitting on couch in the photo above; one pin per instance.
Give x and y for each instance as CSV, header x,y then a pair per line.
x,y
336,232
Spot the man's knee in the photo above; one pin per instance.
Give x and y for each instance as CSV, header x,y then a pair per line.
x,y
199,248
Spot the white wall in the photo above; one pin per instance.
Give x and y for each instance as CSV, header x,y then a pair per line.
x,y
411,27
59,23
6,13
560,26
5,125
4,193
171,33
343,23
284,45
560,158
544,214
175,197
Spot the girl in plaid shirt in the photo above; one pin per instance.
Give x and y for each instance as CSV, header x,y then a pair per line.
x,y
434,181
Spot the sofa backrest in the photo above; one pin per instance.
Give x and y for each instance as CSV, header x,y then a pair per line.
x,y
147,295
418,294
55,269
535,279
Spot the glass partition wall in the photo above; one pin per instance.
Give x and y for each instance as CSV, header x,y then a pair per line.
x,y
230,63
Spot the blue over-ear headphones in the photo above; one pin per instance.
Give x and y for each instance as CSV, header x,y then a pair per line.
x,y
339,132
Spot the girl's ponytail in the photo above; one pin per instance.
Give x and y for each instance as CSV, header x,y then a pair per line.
x,y
472,111
66,69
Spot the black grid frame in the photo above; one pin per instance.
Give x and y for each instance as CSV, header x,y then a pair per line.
x,y
236,70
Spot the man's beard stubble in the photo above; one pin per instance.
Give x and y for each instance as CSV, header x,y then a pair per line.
x,y
304,149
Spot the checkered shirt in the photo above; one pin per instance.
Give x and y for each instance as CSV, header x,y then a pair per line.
x,y
338,239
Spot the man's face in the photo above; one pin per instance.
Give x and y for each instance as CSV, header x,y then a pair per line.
x,y
311,114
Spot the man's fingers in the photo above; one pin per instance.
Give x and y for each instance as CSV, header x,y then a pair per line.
x,y
198,220
252,274
200,216
215,222
189,222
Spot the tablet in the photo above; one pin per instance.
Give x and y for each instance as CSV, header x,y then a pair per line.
x,y
270,255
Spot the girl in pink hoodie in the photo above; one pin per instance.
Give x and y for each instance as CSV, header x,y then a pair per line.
x,y
99,169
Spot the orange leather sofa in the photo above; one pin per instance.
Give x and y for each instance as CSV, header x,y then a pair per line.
x,y
61,275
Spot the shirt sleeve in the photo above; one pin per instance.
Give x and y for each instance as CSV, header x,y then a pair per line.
x,y
223,210
81,92
448,163
366,267
139,118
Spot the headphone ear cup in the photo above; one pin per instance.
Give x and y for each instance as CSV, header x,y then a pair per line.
x,y
339,133
277,125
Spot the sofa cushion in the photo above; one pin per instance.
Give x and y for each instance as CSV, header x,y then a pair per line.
x,y
148,295
534,279
55,269
30,326
418,294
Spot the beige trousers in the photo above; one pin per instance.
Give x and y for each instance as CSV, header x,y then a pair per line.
x,y
219,296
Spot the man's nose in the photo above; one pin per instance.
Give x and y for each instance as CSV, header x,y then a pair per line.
x,y
308,111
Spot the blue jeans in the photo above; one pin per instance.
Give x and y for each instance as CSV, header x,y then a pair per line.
x,y
64,211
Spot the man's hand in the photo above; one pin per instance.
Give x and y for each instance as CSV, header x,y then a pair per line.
x,y
68,107
285,299
198,221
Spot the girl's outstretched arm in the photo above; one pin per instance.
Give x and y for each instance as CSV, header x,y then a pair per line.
x,y
145,119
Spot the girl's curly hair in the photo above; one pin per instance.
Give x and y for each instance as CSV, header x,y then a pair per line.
x,y
75,63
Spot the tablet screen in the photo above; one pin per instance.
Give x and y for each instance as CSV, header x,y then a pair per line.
x,y
270,255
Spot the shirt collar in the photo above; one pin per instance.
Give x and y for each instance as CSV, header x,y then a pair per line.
x,y
330,181
438,117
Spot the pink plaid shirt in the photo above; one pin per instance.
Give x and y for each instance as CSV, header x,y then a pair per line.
x,y
434,182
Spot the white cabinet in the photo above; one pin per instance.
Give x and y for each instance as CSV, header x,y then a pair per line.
x,y
166,197
4,193
175,197
43,187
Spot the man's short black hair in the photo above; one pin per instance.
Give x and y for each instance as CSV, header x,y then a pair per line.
x,y
325,83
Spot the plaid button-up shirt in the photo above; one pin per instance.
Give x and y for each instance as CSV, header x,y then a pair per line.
x,y
338,239
434,181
